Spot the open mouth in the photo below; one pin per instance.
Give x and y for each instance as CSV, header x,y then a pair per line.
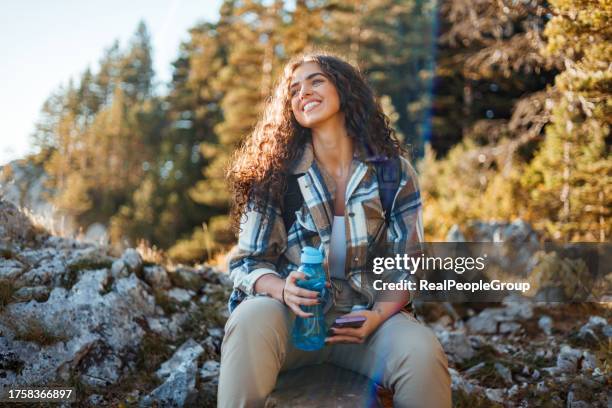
x,y
311,105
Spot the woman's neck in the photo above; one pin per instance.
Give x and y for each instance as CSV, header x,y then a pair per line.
x,y
333,148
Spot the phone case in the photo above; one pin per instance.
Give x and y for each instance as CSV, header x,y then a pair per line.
x,y
350,321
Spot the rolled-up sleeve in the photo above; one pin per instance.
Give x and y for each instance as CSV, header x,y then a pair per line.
x,y
260,243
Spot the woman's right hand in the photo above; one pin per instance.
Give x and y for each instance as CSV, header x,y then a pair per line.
x,y
294,296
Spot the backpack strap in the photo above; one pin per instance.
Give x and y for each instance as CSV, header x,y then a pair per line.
x,y
388,175
292,200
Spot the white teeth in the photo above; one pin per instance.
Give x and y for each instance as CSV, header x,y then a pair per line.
x,y
310,105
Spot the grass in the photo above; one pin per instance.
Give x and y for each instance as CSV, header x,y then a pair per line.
x,y
33,330
7,289
462,399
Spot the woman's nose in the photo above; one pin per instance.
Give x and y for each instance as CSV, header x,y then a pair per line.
x,y
304,90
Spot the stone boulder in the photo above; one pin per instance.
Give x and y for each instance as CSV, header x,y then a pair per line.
x,y
322,386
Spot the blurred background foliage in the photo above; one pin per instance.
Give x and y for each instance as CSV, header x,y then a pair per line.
x,y
505,105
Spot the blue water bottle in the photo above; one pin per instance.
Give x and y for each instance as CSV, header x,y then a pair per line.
x,y
309,333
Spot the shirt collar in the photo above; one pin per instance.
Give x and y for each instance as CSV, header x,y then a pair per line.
x,y
307,158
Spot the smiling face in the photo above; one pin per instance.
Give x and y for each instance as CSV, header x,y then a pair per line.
x,y
314,98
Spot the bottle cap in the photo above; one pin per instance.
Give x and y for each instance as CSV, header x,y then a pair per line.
x,y
311,255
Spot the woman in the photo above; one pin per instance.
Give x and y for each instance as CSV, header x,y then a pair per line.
x,y
324,128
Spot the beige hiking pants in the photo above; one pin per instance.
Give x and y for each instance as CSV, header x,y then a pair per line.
x,y
403,355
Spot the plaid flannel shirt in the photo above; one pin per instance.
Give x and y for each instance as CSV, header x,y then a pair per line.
x,y
265,247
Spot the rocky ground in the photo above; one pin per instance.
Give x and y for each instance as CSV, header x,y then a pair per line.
x,y
127,332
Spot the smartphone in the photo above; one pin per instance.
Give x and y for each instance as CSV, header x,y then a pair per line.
x,y
349,321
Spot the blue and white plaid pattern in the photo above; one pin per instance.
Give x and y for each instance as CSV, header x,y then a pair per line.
x,y
265,247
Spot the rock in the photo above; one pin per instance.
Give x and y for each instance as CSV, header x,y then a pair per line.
x,y
454,234
495,394
132,260
23,183
579,404
567,359
520,242
180,295
458,383
100,367
545,323
96,233
503,372
492,321
501,320
187,353
546,354
588,362
594,329
25,294
157,277
541,387
77,314
96,400
10,361
474,369
50,270
119,269
225,280
179,373
15,226
87,320
508,327
176,390
456,345
168,328
321,385
187,278
209,370
10,269
216,332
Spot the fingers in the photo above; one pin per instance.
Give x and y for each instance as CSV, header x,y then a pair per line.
x,y
292,288
298,300
294,296
348,331
343,339
298,311
304,293
295,275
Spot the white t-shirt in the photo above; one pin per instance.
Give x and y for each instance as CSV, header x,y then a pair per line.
x,y
337,248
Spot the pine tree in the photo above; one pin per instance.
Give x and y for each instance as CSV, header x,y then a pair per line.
x,y
570,177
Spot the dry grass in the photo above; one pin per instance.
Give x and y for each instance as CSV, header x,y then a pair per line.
x,y
7,289
150,253
33,330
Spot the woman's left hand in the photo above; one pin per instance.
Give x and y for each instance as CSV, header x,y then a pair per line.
x,y
356,335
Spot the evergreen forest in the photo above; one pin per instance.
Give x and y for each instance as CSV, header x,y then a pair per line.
x,y
504,105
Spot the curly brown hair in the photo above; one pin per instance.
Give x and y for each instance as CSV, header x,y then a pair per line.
x,y
259,167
